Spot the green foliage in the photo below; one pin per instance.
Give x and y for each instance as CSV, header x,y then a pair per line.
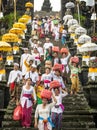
x,y
82,18
9,19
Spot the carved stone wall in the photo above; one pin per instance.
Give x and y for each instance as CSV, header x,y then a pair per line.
x,y
63,9
21,6
9,6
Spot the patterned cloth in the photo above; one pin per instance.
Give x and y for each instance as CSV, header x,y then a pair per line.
x,y
56,119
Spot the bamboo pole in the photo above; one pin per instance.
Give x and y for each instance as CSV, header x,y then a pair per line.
x,y
14,10
0,5
78,10
94,21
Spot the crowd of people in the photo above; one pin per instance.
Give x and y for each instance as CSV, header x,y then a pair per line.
x,y
43,70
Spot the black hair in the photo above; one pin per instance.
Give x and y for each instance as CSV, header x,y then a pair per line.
x,y
56,88
29,78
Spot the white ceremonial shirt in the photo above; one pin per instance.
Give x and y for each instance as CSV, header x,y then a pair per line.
x,y
60,79
59,101
47,45
33,76
23,58
64,61
40,50
45,77
13,75
24,99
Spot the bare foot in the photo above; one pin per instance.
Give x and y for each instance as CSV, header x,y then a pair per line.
x,y
71,93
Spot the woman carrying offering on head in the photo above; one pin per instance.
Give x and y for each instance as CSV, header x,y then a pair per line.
x,y
42,113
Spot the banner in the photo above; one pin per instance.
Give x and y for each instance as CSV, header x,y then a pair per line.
x,y
89,2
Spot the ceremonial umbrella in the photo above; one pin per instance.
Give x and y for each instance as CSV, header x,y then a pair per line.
x,y
4,46
10,37
26,16
70,5
23,20
73,28
80,31
88,47
19,25
72,22
17,31
84,38
28,4
66,18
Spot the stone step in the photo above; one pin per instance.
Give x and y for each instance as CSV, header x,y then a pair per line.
x,y
77,107
77,100
15,128
78,129
77,118
65,103
66,112
68,109
64,117
69,124
78,124
77,96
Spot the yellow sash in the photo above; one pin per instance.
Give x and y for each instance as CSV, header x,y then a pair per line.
x,y
75,40
9,58
15,48
86,57
79,45
2,71
92,70
20,40
1,58
72,35
61,29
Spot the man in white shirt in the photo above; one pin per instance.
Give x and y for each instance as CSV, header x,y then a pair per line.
x,y
14,79
46,26
32,74
56,32
47,44
39,48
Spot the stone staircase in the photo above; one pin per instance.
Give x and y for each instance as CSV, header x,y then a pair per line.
x,y
77,115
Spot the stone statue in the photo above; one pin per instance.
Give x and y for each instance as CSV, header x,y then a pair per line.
x,y
68,12
28,12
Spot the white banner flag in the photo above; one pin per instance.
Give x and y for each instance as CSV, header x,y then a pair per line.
x,y
89,2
